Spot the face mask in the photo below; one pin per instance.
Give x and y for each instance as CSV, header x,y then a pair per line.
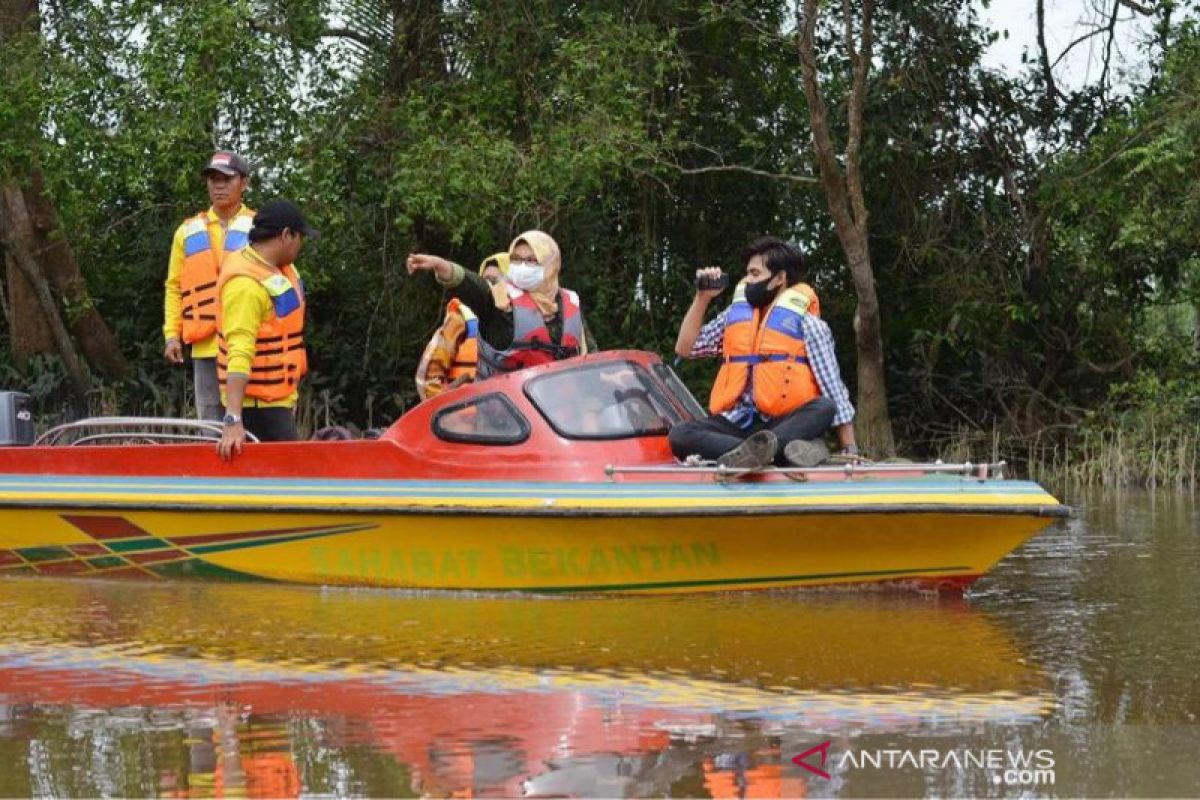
x,y
758,295
526,275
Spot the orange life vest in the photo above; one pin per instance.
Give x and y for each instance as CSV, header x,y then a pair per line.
x,y
774,347
531,345
280,360
466,358
201,269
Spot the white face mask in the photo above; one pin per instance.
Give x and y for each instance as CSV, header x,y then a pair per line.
x,y
526,275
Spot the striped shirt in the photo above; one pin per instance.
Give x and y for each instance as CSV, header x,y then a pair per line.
x,y
821,357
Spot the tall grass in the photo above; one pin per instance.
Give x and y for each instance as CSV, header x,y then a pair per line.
x,y
1147,434
1114,458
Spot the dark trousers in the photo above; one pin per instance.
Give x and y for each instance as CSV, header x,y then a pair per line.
x,y
271,424
712,437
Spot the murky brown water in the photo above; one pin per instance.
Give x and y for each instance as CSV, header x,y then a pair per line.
x,y
1074,662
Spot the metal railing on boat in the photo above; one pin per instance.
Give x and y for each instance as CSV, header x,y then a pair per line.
x,y
133,430
849,470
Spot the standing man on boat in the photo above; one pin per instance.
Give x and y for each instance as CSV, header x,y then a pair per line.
x,y
261,356
452,355
190,300
779,389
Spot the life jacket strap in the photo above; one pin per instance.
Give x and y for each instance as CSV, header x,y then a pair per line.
x,y
558,351
755,358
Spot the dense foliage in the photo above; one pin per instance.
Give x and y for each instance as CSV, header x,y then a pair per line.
x,y
1034,247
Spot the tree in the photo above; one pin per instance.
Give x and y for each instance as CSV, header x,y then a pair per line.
x,y
844,195
31,232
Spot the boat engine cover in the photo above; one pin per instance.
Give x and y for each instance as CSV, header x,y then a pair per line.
x,y
16,419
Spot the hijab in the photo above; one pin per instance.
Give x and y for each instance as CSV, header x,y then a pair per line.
x,y
500,260
545,295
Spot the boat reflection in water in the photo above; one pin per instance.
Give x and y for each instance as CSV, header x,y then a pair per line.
x,y
202,690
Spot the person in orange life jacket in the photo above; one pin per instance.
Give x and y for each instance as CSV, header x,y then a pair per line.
x,y
261,356
190,299
779,388
451,357
527,320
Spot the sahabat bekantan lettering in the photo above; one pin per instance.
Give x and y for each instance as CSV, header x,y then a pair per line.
x,y
419,564
601,560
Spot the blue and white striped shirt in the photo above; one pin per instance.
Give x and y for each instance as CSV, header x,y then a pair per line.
x,y
821,357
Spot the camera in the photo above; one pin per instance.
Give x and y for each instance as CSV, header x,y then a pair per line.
x,y
704,282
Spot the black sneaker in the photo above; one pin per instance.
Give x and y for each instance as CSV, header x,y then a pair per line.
x,y
756,452
806,452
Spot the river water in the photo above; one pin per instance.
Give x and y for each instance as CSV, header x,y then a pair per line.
x,y
1070,670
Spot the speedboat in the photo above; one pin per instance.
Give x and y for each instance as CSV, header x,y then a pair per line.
x,y
553,479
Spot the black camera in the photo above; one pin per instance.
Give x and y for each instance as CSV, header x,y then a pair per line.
x,y
705,282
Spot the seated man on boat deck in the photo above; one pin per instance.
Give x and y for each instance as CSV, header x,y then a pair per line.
x,y
528,319
779,388
452,355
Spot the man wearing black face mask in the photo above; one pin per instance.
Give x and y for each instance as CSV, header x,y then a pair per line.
x,y
779,389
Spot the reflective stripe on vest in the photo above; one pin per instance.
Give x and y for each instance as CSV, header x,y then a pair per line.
x,y
201,269
774,347
531,345
280,359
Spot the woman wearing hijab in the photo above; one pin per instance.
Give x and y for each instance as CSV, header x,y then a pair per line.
x,y
525,321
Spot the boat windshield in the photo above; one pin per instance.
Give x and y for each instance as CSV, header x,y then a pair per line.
x,y
607,400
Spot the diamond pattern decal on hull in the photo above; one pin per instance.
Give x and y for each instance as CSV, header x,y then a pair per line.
x,y
122,549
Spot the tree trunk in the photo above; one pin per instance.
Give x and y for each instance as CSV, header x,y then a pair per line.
x,y
417,53
29,334
58,263
15,231
1196,328
847,206
33,238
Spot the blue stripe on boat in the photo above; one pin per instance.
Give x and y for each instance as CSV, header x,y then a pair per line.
x,y
36,484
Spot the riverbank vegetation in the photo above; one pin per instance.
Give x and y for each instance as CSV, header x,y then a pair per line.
x,y
1030,242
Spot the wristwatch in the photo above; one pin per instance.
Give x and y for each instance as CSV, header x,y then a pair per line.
x,y
231,419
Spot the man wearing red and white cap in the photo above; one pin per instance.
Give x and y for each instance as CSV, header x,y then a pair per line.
x,y
199,246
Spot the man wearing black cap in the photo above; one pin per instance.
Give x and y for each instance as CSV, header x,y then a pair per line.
x,y
200,243
261,356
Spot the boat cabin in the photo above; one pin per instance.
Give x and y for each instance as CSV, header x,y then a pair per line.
x,y
562,421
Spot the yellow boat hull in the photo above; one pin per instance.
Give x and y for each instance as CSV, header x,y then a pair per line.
x,y
515,552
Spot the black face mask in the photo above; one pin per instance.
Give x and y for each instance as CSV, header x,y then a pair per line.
x,y
758,295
